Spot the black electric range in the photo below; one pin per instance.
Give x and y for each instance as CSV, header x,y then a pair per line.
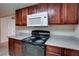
x,y
38,37
36,42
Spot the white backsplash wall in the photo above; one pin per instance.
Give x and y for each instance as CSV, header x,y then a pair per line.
x,y
54,29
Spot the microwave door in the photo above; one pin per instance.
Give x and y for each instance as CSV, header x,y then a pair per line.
x,y
34,21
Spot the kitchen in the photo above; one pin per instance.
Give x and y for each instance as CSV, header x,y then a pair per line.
x,y
57,22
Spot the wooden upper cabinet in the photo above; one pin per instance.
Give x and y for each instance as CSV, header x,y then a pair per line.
x,y
32,9
66,13
21,16
54,13
78,12
18,17
24,16
42,7
69,13
37,8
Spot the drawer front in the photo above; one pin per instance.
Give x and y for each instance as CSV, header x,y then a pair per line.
x,y
53,49
52,54
10,42
69,52
18,41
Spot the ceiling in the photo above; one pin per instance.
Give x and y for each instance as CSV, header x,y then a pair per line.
x,y
7,9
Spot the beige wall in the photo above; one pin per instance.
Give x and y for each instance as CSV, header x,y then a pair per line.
x,y
7,27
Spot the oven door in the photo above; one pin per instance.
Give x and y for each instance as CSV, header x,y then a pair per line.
x,y
32,50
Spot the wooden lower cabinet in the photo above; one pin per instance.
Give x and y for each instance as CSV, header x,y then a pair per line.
x,y
11,47
53,51
15,47
69,52
57,51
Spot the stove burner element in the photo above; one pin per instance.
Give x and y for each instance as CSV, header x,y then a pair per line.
x,y
32,37
39,41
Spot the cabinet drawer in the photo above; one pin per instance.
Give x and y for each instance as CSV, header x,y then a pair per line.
x,y
52,54
17,41
53,49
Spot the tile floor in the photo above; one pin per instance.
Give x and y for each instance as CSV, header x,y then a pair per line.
x,y
4,49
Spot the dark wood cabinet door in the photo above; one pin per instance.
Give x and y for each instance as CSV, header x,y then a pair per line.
x,y
42,7
15,47
69,52
18,48
78,12
21,17
11,46
54,13
32,9
24,16
18,17
69,13
53,51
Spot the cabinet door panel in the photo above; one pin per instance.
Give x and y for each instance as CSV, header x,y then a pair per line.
x,y
54,13
24,16
15,47
11,47
32,9
11,51
53,49
42,7
18,17
69,52
78,12
21,17
18,48
69,13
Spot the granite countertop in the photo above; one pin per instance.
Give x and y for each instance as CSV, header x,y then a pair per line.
x,y
55,40
69,42
20,36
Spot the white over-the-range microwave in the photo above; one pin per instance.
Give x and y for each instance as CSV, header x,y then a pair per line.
x,y
38,19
